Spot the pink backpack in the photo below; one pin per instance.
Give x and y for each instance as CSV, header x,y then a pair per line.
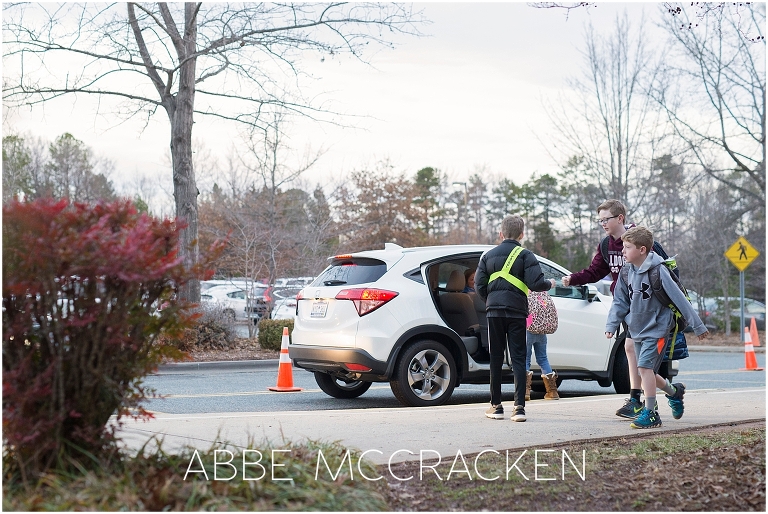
x,y
542,317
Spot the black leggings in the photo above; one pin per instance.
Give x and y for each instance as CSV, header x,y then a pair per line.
x,y
503,332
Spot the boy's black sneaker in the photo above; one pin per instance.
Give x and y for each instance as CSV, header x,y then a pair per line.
x,y
495,412
631,408
518,414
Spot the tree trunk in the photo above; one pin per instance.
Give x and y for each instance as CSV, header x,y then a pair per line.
x,y
184,186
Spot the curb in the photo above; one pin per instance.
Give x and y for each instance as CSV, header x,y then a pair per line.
x,y
723,349
250,365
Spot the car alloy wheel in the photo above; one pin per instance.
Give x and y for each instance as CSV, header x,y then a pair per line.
x,y
425,375
340,388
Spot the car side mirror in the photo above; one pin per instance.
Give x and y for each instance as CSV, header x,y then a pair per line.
x,y
589,293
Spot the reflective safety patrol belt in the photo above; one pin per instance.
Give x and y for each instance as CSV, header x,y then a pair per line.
x,y
506,275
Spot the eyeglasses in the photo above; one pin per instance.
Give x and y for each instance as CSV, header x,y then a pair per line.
x,y
604,221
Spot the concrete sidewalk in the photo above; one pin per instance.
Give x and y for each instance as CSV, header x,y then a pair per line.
x,y
394,432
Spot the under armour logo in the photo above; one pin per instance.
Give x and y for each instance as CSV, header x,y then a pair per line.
x,y
645,290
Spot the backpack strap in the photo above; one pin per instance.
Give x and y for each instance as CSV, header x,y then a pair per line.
x,y
604,249
655,276
505,271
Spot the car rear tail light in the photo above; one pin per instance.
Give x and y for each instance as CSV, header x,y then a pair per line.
x,y
351,366
366,300
300,295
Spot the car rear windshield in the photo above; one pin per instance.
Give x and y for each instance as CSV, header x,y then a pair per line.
x,y
351,271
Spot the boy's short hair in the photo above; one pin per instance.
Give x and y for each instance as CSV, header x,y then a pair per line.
x,y
639,236
468,273
614,206
512,226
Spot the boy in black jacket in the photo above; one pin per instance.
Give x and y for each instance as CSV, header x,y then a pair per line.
x,y
503,278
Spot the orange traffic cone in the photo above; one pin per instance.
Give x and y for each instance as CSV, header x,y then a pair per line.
x,y
750,361
285,370
753,332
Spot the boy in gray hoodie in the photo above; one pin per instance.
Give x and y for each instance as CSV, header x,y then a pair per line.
x,y
649,321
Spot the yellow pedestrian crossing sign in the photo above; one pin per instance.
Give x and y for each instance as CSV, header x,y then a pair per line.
x,y
741,254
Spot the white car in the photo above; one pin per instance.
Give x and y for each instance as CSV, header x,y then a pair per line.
x,y
398,315
284,309
285,303
235,304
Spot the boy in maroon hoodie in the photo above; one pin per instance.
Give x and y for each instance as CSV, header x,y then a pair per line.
x,y
611,216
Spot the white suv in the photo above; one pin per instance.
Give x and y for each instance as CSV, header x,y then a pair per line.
x,y
398,315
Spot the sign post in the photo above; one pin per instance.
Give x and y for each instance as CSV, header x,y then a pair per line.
x,y
741,254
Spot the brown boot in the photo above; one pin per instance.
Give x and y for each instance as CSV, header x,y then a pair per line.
x,y
528,380
550,384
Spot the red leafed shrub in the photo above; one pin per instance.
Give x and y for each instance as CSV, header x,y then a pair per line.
x,y
81,287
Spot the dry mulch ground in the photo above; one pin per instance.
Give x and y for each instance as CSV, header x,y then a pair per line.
x,y
720,339
720,468
241,350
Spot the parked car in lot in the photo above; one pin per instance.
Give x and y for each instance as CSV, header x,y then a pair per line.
x,y
752,309
398,315
236,304
713,308
285,303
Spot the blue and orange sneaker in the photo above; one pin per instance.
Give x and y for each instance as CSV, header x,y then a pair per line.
x,y
676,401
647,419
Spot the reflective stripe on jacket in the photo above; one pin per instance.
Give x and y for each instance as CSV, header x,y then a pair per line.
x,y
502,299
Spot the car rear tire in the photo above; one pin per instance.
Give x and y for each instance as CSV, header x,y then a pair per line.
x,y
340,388
621,371
425,375
229,314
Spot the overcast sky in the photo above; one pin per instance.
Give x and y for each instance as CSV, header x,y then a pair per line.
x,y
468,94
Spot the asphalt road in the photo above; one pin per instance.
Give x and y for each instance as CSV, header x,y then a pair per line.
x,y
228,390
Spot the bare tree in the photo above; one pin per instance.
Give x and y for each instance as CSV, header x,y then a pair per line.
x,y
614,130
688,16
194,59
275,164
703,266
320,238
564,6
579,197
713,91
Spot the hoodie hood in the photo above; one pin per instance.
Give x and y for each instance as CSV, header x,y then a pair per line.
x,y
650,261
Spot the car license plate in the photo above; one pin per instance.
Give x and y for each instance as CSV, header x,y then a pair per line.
x,y
319,309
